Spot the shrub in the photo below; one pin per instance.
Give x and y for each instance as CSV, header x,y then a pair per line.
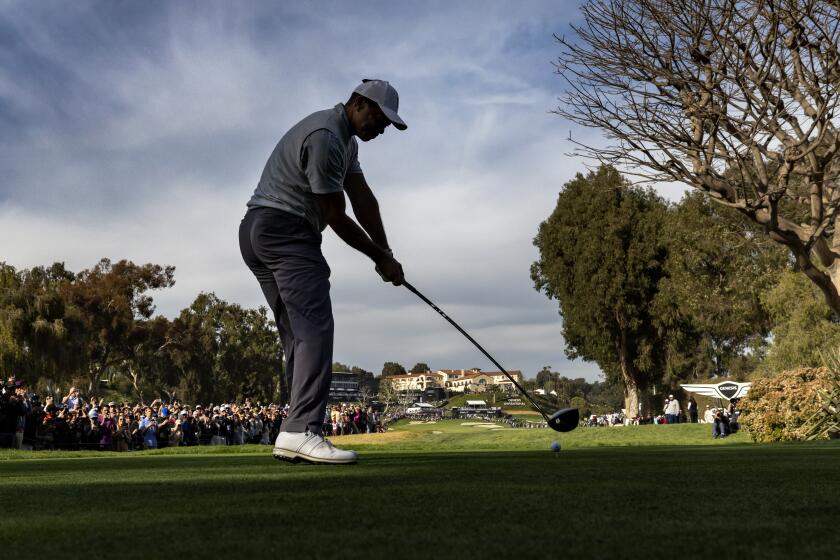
x,y
779,408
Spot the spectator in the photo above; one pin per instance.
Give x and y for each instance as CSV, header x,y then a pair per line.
x,y
93,431
77,424
265,437
14,407
692,410
720,425
187,429
108,428
359,420
734,413
176,434
237,429
47,432
346,425
164,429
136,441
335,420
72,400
217,428
372,419
122,433
148,428
672,410
204,428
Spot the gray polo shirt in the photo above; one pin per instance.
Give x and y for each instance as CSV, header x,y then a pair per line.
x,y
312,158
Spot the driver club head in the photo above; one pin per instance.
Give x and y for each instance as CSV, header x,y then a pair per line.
x,y
564,420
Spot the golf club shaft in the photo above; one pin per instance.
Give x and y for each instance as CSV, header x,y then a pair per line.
x,y
477,345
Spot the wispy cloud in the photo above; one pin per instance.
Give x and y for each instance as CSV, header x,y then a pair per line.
x,y
138,130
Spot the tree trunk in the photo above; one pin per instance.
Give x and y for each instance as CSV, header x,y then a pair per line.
x,y
135,382
93,382
629,375
631,398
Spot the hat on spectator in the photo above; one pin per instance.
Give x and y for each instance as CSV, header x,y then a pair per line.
x,y
164,411
184,413
93,413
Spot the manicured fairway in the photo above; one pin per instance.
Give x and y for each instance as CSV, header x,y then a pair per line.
x,y
467,492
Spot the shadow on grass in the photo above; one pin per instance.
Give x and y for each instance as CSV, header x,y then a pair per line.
x,y
618,502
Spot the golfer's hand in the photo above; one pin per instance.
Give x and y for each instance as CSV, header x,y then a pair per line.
x,y
390,270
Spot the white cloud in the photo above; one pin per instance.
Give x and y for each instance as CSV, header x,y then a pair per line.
x,y
141,135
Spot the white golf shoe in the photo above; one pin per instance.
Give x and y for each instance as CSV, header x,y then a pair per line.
x,y
310,447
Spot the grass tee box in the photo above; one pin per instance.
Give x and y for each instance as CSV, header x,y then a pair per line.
x,y
442,490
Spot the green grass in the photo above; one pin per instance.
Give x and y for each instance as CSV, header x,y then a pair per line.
x,y
465,492
461,400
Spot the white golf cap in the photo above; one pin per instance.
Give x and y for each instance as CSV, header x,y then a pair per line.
x,y
383,94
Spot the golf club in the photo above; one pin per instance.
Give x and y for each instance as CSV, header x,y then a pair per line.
x,y
564,420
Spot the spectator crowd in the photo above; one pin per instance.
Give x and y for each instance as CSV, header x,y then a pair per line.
x,y
724,420
73,422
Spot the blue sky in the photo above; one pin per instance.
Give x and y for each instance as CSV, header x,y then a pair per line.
x,y
138,130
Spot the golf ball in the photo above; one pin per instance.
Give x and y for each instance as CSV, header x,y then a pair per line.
x,y
555,446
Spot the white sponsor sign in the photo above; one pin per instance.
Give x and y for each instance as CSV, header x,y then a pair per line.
x,y
725,390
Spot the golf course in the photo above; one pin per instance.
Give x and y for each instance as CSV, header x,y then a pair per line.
x,y
420,280
450,489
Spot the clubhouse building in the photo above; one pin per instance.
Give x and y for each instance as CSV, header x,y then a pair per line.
x,y
455,380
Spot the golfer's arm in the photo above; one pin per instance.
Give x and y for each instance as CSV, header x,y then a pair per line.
x,y
333,207
365,208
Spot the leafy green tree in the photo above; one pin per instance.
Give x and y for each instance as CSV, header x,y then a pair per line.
x,y
605,396
148,366
392,368
546,378
338,366
420,367
718,264
580,403
368,385
57,327
602,257
40,331
192,346
225,352
112,299
804,327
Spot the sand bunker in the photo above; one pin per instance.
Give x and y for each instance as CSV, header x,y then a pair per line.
x,y
371,439
486,425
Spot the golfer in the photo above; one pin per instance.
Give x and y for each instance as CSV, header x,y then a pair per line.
x,y
301,191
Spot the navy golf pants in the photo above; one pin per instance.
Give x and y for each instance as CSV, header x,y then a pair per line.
x,y
284,253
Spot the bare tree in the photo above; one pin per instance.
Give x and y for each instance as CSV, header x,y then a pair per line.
x,y
366,393
387,392
737,98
